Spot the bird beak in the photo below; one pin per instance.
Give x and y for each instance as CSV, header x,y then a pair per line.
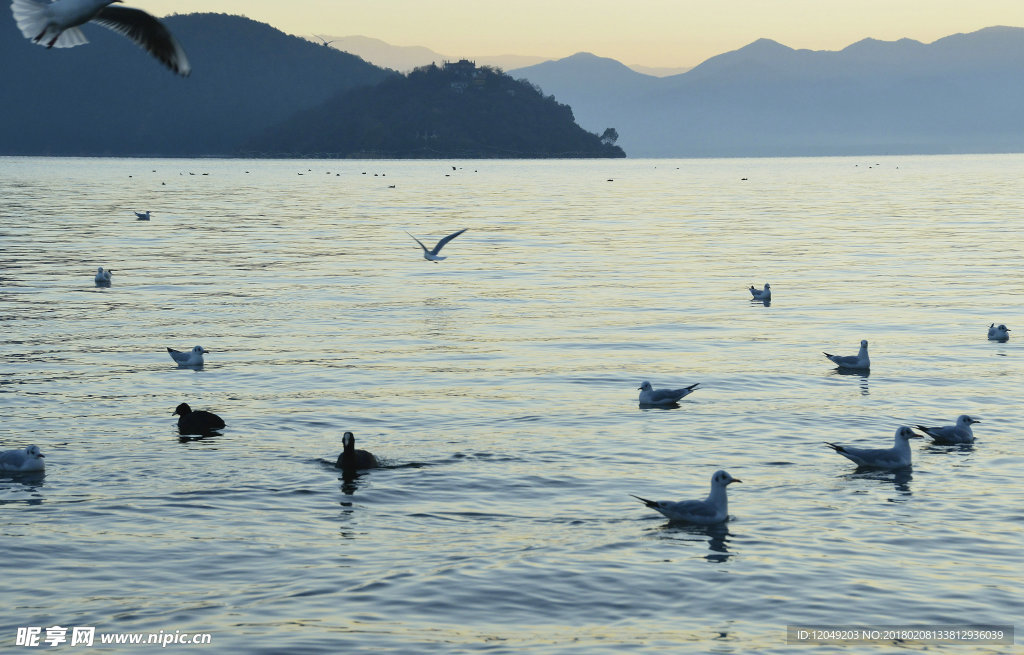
x,y
974,420
733,480
42,455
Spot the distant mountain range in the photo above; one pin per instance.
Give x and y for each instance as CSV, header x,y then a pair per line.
x,y
406,58
109,97
257,91
961,94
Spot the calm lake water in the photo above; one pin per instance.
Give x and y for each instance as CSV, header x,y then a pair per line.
x,y
499,388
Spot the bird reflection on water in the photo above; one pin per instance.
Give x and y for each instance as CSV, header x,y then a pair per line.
x,y
717,537
862,374
900,479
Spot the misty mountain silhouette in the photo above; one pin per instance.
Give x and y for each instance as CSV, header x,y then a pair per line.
x,y
259,92
406,58
963,93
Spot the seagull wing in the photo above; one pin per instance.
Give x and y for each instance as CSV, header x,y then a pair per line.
x,y
177,355
649,503
443,242
147,32
665,395
871,457
844,360
946,434
671,395
12,459
419,242
696,511
943,432
855,455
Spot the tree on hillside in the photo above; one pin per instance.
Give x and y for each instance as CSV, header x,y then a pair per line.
x,y
610,136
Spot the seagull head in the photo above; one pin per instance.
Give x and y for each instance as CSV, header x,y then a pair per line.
x,y
723,479
33,451
863,343
905,433
645,386
199,350
1003,328
964,419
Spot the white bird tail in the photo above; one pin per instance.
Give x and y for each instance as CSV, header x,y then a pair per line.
x,y
34,20
69,38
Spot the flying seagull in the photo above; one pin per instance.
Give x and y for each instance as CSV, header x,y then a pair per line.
x,y
432,255
55,24
713,509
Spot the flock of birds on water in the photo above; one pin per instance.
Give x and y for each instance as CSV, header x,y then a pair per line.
x,y
55,24
711,510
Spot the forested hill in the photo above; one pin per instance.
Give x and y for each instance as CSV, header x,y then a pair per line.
x,y
456,110
110,98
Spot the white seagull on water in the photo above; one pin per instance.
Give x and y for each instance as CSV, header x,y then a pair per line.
x,y
55,24
432,255
193,357
22,461
663,397
952,434
896,457
140,216
102,278
858,361
761,294
998,332
713,509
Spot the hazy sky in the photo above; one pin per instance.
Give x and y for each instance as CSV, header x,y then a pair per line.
x,y
636,32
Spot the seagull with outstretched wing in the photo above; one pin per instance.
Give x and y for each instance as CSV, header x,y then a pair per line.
x,y
55,25
433,255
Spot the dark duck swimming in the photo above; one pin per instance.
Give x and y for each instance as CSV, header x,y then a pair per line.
x,y
351,460
197,421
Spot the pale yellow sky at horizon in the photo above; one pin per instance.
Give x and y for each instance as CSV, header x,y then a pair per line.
x,y
664,33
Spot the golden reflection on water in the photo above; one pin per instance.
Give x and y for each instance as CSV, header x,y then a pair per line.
x,y
500,385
